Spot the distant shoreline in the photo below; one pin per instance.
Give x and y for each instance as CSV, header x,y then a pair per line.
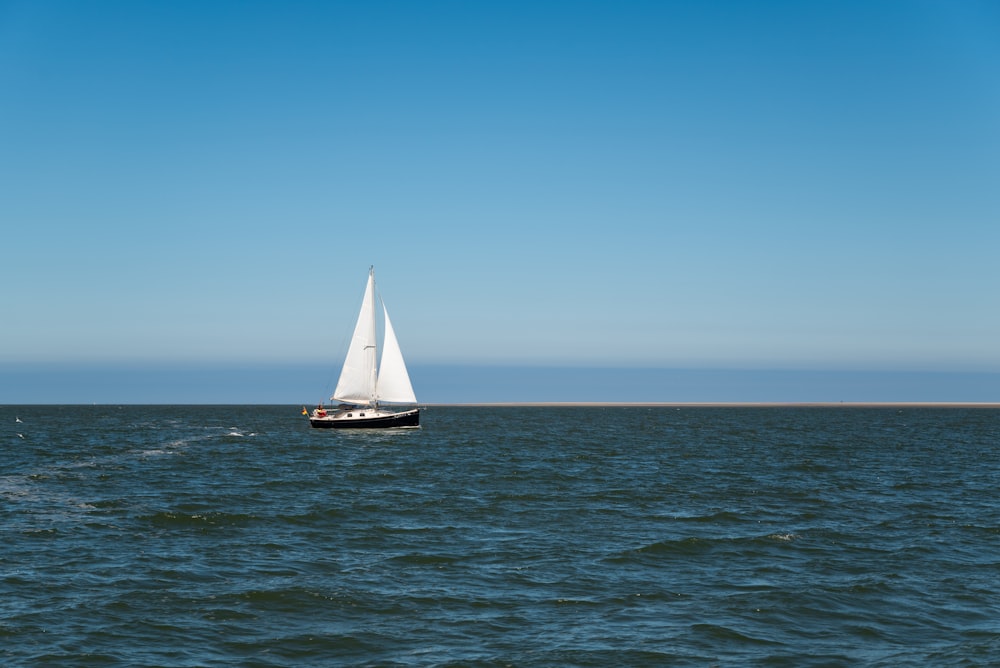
x,y
579,404
719,404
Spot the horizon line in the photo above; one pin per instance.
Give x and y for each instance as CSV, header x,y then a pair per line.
x,y
714,404
594,404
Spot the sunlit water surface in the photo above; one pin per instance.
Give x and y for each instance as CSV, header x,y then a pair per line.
x,y
217,536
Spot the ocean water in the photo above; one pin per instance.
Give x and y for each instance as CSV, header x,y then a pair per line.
x,y
221,536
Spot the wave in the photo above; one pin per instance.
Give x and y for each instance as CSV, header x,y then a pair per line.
x,y
173,519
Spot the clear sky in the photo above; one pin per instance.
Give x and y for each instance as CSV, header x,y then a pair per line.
x,y
720,185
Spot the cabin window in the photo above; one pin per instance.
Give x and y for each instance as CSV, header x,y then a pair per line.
x,y
362,415
350,415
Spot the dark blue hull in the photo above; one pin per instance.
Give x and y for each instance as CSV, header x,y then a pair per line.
x,y
409,418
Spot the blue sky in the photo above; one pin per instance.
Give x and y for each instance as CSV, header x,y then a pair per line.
x,y
771,185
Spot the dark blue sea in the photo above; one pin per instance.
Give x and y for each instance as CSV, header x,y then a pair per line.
x,y
757,536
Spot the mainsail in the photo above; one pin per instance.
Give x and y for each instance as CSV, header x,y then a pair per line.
x,y
357,378
360,382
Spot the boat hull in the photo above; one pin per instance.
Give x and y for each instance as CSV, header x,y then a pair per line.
x,y
361,419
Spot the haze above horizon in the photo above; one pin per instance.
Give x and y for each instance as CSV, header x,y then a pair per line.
x,y
673,185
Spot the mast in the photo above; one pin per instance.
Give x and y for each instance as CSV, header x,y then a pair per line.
x,y
373,369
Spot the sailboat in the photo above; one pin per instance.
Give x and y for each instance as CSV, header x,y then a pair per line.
x,y
370,395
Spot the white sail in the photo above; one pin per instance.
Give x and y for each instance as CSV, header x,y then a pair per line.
x,y
393,381
357,379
